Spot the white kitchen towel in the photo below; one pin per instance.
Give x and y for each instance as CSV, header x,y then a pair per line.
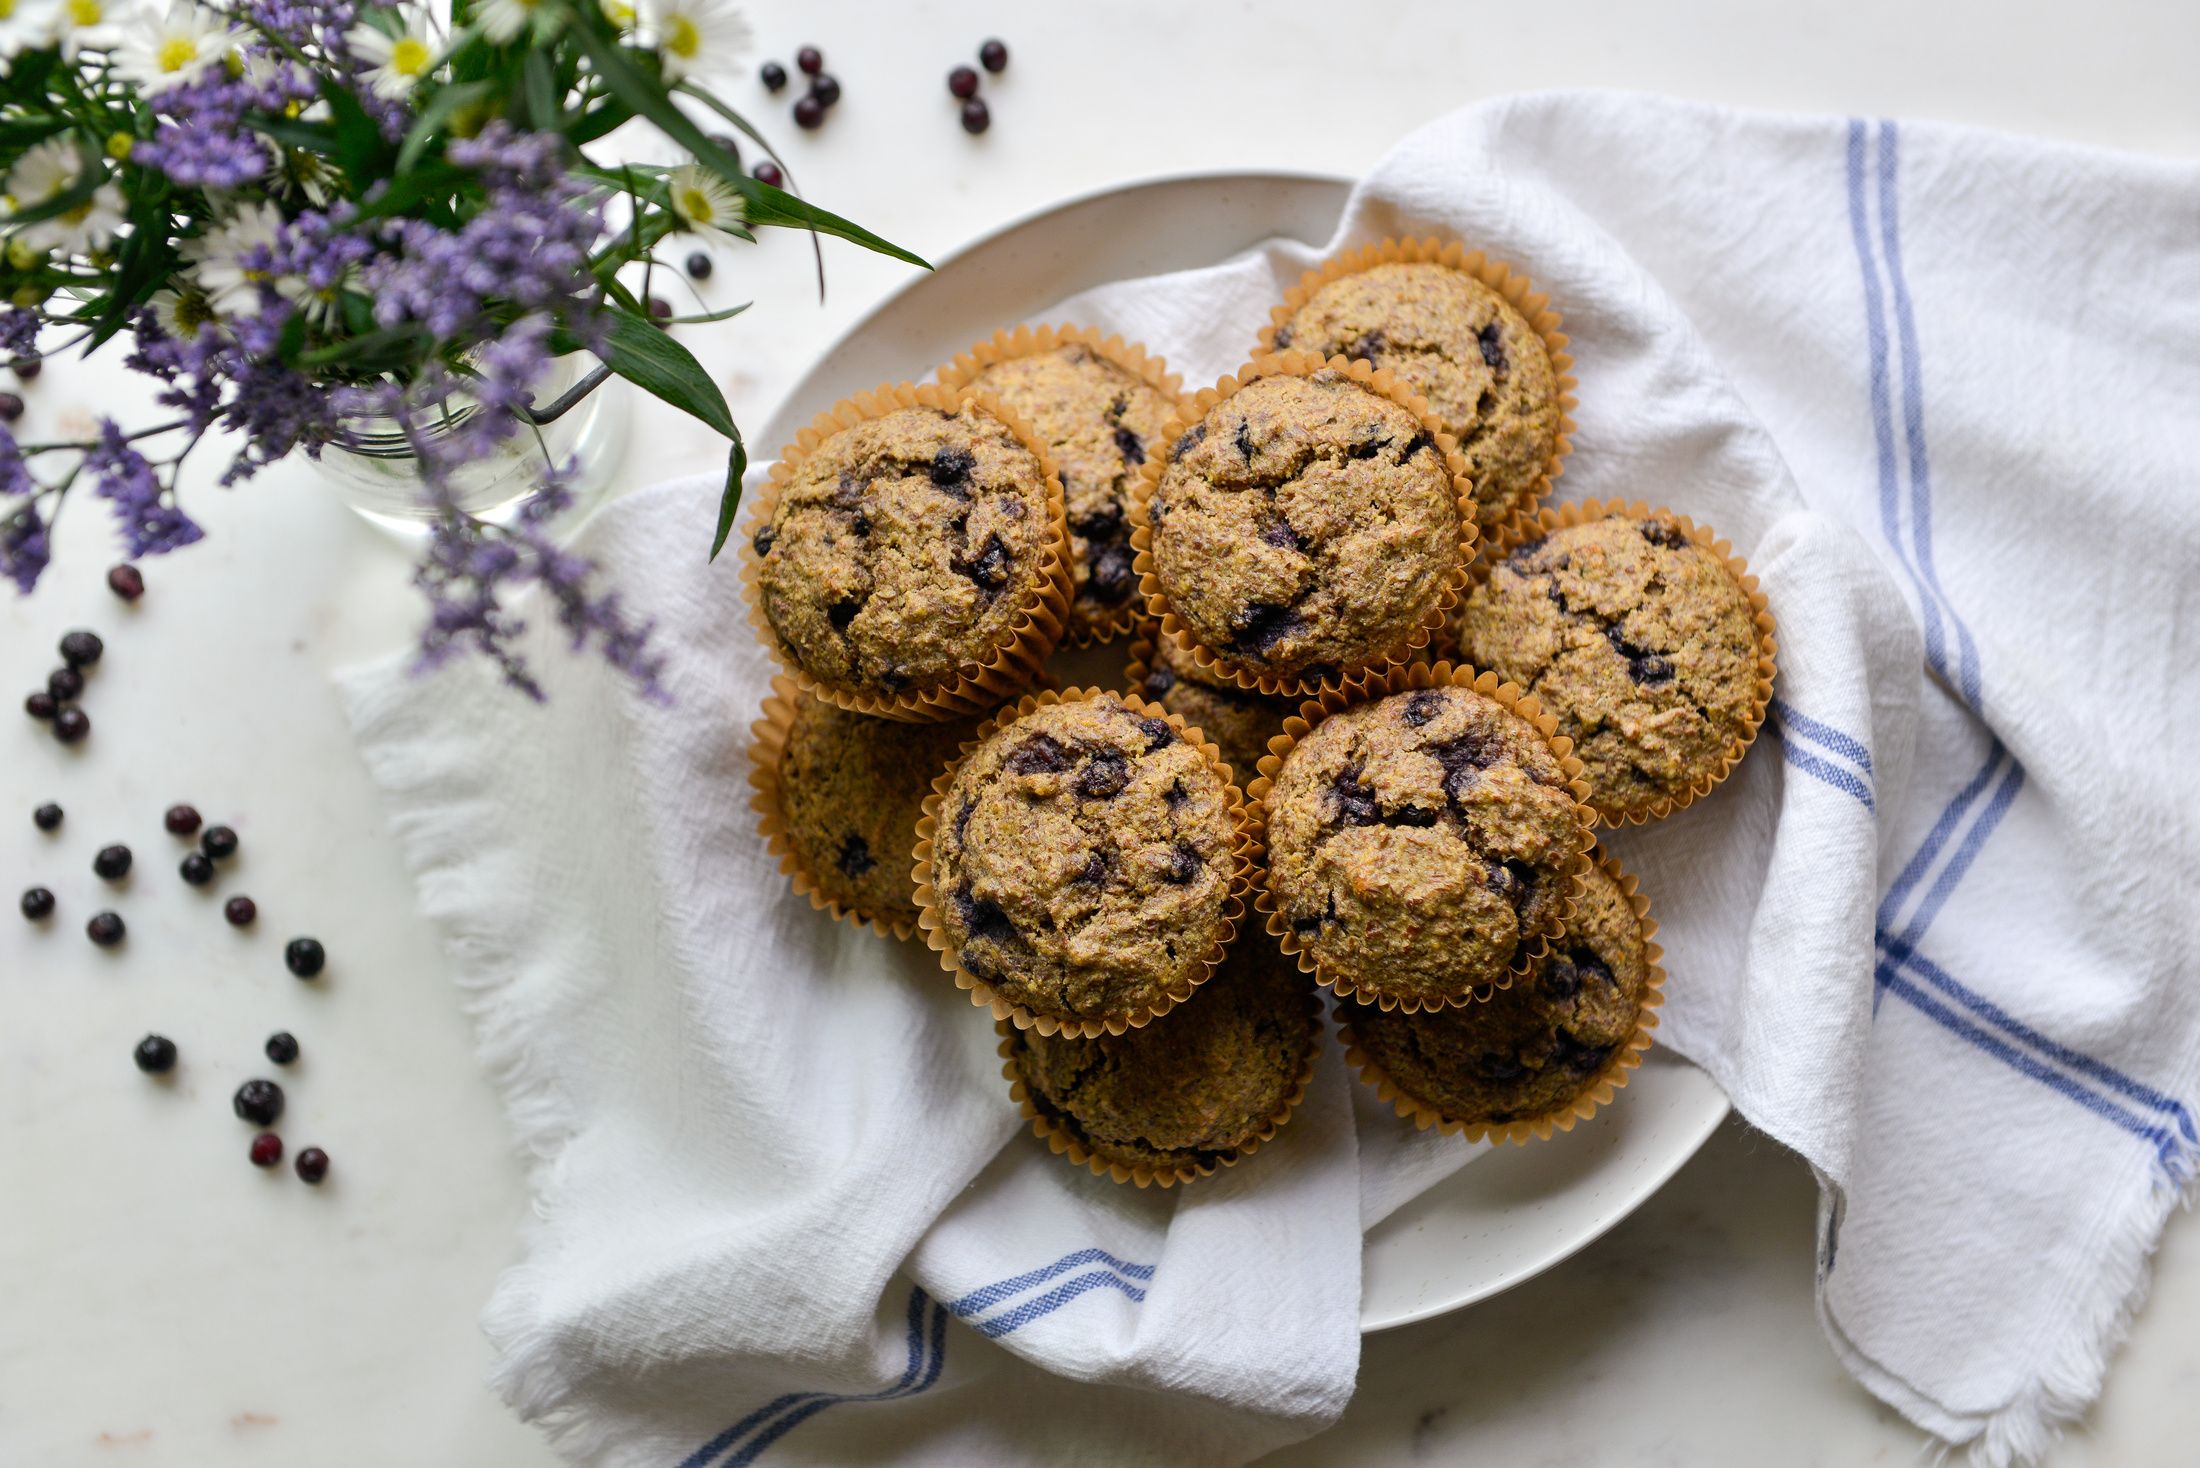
x,y
1937,385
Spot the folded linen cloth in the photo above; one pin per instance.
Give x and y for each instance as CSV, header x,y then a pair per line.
x,y
1936,385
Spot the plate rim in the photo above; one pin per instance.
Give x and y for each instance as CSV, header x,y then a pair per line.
x,y
1652,1180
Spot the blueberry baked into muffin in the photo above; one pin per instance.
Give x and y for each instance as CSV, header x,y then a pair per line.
x,y
1187,1094
1306,526
1643,643
1531,1049
1085,864
1422,845
902,551
1235,720
1485,371
1100,422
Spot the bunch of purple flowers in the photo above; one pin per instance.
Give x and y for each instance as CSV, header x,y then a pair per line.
x,y
306,215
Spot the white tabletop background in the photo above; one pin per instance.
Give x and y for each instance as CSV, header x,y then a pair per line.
x,y
163,1303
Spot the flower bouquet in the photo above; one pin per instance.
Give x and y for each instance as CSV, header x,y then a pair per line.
x,y
304,217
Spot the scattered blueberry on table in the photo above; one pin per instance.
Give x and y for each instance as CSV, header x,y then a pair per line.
x,y
976,116
106,929
80,649
47,817
37,904
962,82
113,863
993,55
312,1165
240,911
810,60
65,683
773,75
826,89
197,869
259,1102
305,957
39,704
267,1150
219,842
126,582
71,725
156,1055
768,172
282,1047
181,820
730,144
809,113
26,368
698,266
11,407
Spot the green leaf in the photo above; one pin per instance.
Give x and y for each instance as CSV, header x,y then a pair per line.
x,y
709,316
729,499
541,93
766,205
442,107
650,359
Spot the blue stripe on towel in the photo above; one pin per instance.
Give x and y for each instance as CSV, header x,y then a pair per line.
x,y
1850,749
928,1354
1819,769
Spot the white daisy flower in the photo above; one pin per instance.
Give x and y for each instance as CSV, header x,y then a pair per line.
x,y
399,61
704,201
23,25
697,37
165,51
501,20
621,13
183,310
77,24
44,173
218,256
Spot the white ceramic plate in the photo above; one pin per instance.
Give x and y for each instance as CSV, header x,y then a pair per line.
x,y
1519,1210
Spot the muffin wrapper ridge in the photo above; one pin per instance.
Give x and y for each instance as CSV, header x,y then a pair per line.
x,y
1196,407
1594,1095
1028,341
934,925
1559,517
1065,1143
1518,291
1369,688
1037,626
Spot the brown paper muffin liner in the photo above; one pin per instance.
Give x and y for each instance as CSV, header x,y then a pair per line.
x,y
1036,341
1586,1102
1368,688
1518,291
1064,1143
934,925
1196,407
1558,517
1032,632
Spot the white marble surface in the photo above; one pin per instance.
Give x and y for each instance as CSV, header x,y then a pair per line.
x,y
162,1303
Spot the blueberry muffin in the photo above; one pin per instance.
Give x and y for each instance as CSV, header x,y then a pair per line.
x,y
1641,641
1188,1093
901,551
1304,527
1533,1048
1237,721
1421,846
847,790
1085,863
1484,369
1100,422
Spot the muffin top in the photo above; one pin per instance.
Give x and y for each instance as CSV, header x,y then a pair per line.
x,y
1304,526
1193,1087
1237,721
1100,422
902,549
1484,370
1530,1049
1419,844
1642,643
850,790
1084,861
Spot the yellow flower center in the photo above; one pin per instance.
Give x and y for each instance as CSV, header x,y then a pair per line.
x,y
176,53
682,39
409,57
118,144
193,313
7,9
77,215
86,12
695,203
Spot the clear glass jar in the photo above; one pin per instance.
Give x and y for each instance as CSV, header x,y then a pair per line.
x,y
378,478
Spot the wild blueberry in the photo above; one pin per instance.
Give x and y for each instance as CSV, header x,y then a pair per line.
x,y
259,1102
993,55
240,911
181,820
112,863
267,1150
809,112
40,704
282,1047
80,648
312,1165
71,724
47,817
774,75
810,60
963,82
219,842
126,582
156,1055
197,869
64,683
826,89
768,172
976,116
304,957
105,929
698,266
37,904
